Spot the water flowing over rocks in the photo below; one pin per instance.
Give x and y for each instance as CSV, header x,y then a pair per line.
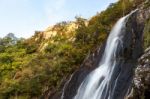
x,y
127,60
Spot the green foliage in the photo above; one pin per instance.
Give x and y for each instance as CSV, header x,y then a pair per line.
x,y
31,49
50,48
6,58
147,34
12,59
82,31
2,48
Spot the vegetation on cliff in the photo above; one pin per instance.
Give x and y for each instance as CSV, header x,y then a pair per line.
x,y
28,68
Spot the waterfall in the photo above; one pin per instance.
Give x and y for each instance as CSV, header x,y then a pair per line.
x,y
101,83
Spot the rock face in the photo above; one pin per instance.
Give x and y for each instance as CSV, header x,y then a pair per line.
x,y
132,50
58,29
141,81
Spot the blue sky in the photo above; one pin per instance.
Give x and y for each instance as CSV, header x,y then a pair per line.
x,y
23,17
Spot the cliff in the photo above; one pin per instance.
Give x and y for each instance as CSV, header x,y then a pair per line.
x,y
133,44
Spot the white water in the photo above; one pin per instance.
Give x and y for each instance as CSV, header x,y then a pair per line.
x,y
97,84
62,96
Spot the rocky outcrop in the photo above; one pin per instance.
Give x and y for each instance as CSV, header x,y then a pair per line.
x,y
141,81
64,28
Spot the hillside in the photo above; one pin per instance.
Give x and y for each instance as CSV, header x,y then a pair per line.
x,y
40,66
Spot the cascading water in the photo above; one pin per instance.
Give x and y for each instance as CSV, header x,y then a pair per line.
x,y
101,83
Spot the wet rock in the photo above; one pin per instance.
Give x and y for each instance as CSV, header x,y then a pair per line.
x,y
141,81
